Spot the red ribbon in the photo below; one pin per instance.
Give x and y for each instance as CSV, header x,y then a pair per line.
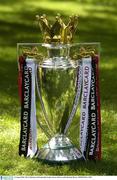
x,y
98,150
20,61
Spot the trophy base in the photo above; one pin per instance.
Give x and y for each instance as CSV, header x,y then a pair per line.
x,y
59,150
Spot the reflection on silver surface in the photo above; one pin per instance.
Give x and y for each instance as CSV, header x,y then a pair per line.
x,y
59,149
57,78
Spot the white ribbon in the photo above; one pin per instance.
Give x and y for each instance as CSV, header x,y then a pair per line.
x,y
32,144
78,92
85,103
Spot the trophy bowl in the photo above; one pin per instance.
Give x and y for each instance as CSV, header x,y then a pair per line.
x,y
58,87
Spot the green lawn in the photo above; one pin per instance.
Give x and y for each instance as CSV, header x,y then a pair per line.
x,y
97,23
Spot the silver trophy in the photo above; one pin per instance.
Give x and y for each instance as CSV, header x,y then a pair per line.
x,y
59,77
58,83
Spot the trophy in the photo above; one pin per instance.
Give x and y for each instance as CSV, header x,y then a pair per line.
x,y
58,78
58,73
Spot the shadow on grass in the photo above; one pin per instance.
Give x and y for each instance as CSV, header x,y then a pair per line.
x,y
13,32
108,80
9,88
91,31
11,2
98,2
91,28
104,167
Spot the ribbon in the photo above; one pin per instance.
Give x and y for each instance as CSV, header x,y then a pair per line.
x,y
28,133
85,104
93,130
32,144
25,110
90,121
98,148
77,97
20,71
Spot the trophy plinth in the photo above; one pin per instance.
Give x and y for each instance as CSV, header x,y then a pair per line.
x,y
59,150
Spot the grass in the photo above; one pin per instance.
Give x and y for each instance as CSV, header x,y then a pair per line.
x,y
98,22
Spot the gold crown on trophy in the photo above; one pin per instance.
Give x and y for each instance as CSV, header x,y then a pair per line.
x,y
58,32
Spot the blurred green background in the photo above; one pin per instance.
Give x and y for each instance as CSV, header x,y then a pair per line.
x,y
97,23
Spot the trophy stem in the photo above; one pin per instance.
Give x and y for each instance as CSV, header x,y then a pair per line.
x,y
57,51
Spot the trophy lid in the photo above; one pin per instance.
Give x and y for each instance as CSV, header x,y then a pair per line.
x,y
58,32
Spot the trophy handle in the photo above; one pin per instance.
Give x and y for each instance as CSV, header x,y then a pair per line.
x,y
42,104
48,135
